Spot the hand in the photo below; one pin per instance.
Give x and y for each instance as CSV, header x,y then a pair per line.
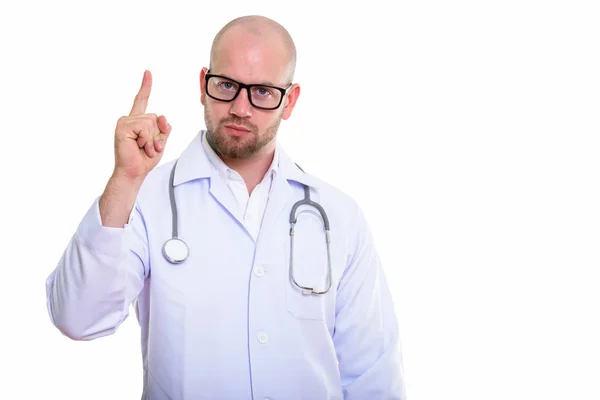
x,y
140,138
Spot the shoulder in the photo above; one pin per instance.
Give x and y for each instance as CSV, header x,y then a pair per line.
x,y
333,199
346,217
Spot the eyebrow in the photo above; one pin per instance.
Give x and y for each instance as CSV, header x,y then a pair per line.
x,y
265,83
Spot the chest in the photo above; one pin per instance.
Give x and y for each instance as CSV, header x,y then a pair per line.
x,y
231,265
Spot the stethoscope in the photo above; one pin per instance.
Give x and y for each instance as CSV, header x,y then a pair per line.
x,y
177,251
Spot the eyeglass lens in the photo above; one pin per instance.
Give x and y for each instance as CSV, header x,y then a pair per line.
x,y
260,96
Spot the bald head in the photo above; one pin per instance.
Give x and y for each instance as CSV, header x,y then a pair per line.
x,y
257,29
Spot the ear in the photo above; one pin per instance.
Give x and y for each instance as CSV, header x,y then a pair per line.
x,y
290,101
203,85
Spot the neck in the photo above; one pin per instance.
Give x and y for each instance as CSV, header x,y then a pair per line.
x,y
253,169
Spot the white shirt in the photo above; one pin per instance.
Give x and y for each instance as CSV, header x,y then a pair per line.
x,y
251,207
228,322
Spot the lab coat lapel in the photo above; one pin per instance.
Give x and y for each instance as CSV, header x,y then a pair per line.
x,y
195,164
279,200
221,193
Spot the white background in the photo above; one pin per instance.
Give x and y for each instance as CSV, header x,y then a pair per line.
x,y
467,130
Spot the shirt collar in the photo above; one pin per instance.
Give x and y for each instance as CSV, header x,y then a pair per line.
x,y
195,163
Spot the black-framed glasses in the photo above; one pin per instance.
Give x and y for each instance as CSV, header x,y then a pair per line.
x,y
265,97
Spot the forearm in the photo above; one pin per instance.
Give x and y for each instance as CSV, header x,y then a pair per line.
x,y
369,339
367,331
118,200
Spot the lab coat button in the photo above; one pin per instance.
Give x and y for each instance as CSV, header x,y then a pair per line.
x,y
263,338
259,271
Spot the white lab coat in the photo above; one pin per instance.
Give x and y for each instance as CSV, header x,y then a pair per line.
x,y
228,323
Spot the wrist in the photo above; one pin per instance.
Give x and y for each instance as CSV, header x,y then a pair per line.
x,y
124,181
118,199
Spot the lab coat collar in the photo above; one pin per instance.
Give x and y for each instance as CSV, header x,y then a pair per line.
x,y
195,164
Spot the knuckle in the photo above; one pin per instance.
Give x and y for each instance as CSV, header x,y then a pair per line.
x,y
134,126
122,121
151,126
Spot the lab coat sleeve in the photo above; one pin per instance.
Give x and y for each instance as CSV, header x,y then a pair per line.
x,y
366,333
100,273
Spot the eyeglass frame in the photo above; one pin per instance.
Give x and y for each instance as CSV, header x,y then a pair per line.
x,y
247,87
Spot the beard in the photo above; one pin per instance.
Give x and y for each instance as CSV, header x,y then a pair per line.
x,y
238,147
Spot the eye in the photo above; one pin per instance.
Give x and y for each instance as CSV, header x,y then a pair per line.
x,y
263,91
227,85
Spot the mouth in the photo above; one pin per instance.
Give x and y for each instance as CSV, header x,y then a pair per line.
x,y
236,130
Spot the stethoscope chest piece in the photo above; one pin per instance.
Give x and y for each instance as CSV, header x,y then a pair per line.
x,y
175,250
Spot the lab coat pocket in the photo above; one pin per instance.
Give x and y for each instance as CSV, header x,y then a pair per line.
x,y
307,267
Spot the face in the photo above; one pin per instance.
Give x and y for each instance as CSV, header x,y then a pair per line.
x,y
237,129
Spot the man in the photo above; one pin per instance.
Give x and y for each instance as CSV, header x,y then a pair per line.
x,y
248,307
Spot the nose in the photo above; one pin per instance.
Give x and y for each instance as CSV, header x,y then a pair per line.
x,y
241,105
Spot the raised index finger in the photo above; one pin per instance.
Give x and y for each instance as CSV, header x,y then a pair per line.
x,y
141,99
